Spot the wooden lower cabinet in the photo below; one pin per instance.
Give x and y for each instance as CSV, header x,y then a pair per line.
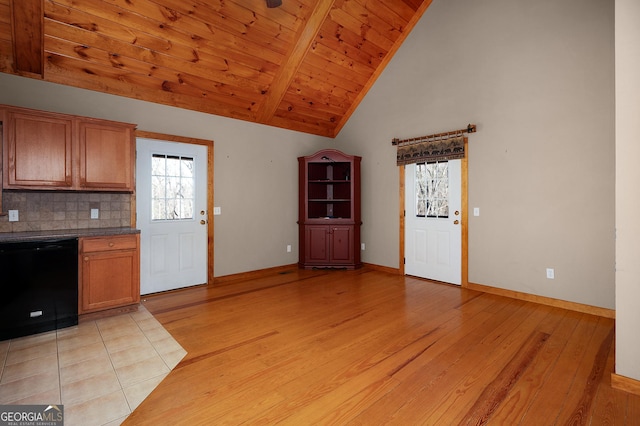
x,y
329,246
109,272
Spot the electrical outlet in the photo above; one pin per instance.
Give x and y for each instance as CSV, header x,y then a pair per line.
x,y
13,216
551,273
95,213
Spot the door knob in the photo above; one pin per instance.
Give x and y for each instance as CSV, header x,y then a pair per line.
x,y
201,212
457,213
455,222
202,222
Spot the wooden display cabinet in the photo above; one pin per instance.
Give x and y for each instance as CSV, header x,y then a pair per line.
x,y
329,210
109,272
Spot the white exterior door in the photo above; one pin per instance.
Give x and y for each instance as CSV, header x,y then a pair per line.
x,y
433,230
171,207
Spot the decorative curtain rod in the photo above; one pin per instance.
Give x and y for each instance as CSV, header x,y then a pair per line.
x,y
471,128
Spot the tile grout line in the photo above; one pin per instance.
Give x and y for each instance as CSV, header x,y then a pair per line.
x,y
150,342
114,367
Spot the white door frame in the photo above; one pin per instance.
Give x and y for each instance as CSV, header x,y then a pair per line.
x,y
209,145
464,221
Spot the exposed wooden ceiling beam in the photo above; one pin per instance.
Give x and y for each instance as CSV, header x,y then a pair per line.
x,y
27,22
291,63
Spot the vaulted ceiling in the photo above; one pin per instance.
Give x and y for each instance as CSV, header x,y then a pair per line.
x,y
305,65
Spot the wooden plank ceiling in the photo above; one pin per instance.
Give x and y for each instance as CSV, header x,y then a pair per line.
x,y
305,65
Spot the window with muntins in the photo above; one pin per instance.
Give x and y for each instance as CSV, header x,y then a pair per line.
x,y
432,189
172,187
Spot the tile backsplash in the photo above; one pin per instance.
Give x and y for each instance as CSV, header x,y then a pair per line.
x,y
46,211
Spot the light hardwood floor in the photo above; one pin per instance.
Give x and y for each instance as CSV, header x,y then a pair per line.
x,y
368,347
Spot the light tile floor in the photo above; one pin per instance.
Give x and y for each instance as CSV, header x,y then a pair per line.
x,y
99,370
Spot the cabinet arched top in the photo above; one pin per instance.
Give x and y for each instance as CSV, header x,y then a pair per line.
x,y
329,155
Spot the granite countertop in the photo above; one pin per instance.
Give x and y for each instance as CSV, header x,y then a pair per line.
x,y
14,237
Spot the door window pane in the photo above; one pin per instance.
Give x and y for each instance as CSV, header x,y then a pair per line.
x,y
432,189
172,183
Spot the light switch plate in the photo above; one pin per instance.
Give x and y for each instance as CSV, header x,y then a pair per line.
x,y
476,211
95,213
217,211
13,216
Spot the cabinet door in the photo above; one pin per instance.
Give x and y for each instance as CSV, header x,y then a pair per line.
x,y
38,152
106,156
342,245
109,280
317,244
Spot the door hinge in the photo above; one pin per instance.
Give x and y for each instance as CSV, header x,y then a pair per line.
x,y
404,260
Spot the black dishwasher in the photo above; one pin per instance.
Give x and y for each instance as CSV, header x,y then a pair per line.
x,y
39,290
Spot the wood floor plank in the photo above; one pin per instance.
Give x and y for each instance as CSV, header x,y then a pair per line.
x,y
589,372
496,392
431,379
610,404
340,361
486,364
632,412
369,347
378,355
516,404
547,404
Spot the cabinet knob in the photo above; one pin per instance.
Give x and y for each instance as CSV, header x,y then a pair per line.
x,y
111,244
86,258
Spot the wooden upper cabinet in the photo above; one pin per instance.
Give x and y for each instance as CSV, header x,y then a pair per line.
x,y
63,152
106,156
38,151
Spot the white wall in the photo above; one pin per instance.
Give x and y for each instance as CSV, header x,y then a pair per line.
x,y
538,80
255,176
627,188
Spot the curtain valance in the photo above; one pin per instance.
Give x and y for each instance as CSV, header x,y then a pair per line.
x,y
436,147
424,151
